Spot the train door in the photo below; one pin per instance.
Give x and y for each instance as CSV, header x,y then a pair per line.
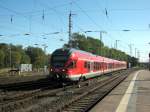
x,y
103,69
91,66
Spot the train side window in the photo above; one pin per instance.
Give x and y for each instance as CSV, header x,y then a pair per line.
x,y
85,64
88,65
94,65
110,65
101,66
98,65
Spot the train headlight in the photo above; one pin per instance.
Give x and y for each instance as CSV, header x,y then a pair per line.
x,y
73,55
63,70
51,70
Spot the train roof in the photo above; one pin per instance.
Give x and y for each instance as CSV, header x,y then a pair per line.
x,y
69,51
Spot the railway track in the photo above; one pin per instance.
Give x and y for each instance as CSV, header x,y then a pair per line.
x,y
86,101
14,102
29,85
48,99
18,95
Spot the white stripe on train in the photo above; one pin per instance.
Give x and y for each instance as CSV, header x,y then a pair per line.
x,y
92,74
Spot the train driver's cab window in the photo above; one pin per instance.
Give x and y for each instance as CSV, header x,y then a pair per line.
x,y
72,64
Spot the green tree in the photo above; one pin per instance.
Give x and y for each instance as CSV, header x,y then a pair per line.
x,y
15,58
37,56
25,59
33,55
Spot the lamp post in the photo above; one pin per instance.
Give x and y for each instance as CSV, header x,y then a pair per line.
x,y
101,40
10,56
135,52
130,47
45,46
116,44
149,56
149,62
45,67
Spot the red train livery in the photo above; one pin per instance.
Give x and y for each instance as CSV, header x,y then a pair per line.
x,y
75,64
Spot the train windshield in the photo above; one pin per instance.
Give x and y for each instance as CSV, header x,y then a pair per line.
x,y
59,58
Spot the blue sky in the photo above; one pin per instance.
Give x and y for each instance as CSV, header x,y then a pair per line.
x,y
27,15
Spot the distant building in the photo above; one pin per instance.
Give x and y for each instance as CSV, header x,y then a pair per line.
x,y
25,67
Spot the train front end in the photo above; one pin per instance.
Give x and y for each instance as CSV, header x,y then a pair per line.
x,y
60,62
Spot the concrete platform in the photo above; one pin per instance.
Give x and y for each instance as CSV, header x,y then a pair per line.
x,y
132,95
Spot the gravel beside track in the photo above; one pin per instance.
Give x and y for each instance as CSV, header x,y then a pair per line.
x,y
23,83
18,79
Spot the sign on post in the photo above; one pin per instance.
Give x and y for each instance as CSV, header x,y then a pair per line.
x,y
26,67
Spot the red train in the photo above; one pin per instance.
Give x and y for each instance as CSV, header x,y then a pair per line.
x,y
75,64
